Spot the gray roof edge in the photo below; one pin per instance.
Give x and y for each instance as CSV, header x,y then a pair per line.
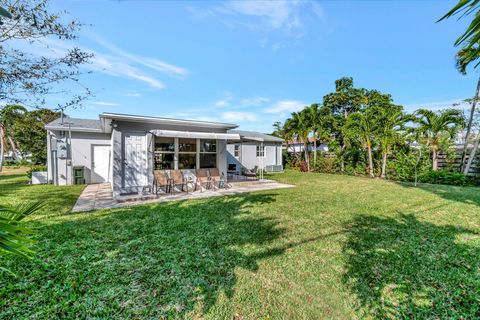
x,y
75,124
152,119
256,134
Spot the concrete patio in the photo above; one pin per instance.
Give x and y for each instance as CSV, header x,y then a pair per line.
x,y
99,196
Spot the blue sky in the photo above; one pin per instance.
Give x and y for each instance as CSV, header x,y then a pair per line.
x,y
253,63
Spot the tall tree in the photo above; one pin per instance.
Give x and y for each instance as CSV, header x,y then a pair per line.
x,y
467,55
26,77
344,101
361,126
301,125
10,117
391,122
31,135
437,129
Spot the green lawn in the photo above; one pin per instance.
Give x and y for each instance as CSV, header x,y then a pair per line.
x,y
332,247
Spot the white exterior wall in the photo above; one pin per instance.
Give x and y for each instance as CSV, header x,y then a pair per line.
x,y
248,155
81,155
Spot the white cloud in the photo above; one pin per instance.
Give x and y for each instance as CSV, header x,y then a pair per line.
x,y
438,105
265,16
132,94
104,103
239,116
151,63
255,101
225,100
285,106
116,62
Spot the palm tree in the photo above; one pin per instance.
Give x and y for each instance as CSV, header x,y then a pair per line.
x,y
435,129
361,126
313,118
471,37
470,52
322,122
290,134
14,238
301,125
281,131
390,121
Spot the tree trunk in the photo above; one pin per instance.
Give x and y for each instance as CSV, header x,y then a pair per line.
x,y
2,148
384,164
434,160
14,149
469,126
370,160
306,155
342,161
315,149
472,155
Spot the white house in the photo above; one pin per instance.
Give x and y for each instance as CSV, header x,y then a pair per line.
x,y
254,150
124,149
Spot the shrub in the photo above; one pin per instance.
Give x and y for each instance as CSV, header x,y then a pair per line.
x,y
34,169
446,177
303,166
402,167
325,164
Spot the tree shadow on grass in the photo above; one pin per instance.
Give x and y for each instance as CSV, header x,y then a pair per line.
x,y
406,268
168,260
469,195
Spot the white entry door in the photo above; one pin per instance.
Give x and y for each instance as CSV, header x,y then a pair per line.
x,y
135,160
100,164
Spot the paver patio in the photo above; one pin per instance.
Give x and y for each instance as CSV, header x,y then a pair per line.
x,y
99,196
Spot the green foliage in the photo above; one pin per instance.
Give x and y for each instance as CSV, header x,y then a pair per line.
x,y
447,178
470,39
15,238
405,165
325,164
332,247
28,78
35,169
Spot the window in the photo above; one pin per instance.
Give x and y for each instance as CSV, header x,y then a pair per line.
x,y
164,153
187,153
187,145
260,151
236,151
208,160
208,153
187,160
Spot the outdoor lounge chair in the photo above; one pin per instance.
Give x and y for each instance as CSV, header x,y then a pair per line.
x,y
203,178
177,179
251,173
161,179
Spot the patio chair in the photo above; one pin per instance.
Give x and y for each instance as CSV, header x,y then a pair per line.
x,y
251,173
160,179
177,179
203,178
215,177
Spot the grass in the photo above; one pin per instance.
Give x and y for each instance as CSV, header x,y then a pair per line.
x,y
332,247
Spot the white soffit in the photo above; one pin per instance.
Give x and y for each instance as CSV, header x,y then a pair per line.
x,y
195,135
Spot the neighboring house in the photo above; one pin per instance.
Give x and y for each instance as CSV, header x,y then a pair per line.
x,y
125,149
297,146
255,149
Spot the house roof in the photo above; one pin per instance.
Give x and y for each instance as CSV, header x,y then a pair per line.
x,y
257,136
75,124
170,121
